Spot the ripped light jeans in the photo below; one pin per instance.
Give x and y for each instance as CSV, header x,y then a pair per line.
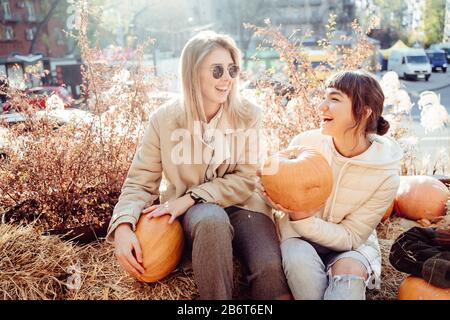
x,y
307,267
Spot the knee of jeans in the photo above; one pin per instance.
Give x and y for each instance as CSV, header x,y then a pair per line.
x,y
213,220
296,253
348,266
269,268
346,280
299,266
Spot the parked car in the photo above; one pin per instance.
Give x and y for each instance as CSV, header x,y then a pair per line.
x,y
410,63
37,98
444,47
437,60
319,63
6,106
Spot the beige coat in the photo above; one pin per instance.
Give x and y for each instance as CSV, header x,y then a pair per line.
x,y
363,188
222,176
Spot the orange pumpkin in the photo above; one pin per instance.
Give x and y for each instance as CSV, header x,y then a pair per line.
x,y
298,178
161,244
388,212
421,197
415,288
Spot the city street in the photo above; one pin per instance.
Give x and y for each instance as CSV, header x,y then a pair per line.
x,y
429,144
438,80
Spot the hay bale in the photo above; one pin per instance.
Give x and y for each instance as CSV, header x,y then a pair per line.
x,y
388,232
36,267
44,267
33,266
390,277
394,226
102,278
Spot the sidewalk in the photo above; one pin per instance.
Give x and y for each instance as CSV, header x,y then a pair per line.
x,y
12,117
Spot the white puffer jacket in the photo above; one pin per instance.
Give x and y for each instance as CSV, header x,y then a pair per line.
x,y
363,189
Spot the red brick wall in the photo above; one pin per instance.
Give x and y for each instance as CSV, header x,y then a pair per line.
x,y
21,44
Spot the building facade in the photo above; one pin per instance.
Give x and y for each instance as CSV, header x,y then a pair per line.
x,y
229,16
19,21
21,54
446,37
308,16
313,15
413,20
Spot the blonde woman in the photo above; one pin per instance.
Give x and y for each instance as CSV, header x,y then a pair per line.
x,y
210,178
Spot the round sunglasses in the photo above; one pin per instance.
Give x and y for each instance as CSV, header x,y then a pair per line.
x,y
218,70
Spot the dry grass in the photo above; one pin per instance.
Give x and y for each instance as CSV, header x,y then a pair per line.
x,y
36,267
393,227
44,267
387,233
32,266
103,279
390,277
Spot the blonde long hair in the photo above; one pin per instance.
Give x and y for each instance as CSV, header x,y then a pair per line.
x,y
193,54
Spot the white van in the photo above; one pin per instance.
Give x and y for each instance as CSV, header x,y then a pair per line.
x,y
410,63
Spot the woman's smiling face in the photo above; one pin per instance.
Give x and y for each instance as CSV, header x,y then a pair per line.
x,y
335,113
216,91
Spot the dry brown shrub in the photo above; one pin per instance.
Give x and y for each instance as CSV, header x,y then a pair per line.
x,y
304,85
71,175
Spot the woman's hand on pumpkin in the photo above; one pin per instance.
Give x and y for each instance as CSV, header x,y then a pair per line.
x,y
299,215
175,208
292,214
277,206
125,243
260,188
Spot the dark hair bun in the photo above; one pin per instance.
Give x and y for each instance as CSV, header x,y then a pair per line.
x,y
382,126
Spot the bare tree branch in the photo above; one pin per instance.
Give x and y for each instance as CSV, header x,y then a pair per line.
x,y
42,24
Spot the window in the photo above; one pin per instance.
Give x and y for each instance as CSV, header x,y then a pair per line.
x,y
30,10
417,59
2,71
15,76
30,33
9,33
437,56
6,8
59,36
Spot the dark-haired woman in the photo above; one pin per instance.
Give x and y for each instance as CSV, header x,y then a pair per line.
x,y
335,254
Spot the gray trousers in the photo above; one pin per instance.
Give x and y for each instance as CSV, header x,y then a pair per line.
x,y
213,232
